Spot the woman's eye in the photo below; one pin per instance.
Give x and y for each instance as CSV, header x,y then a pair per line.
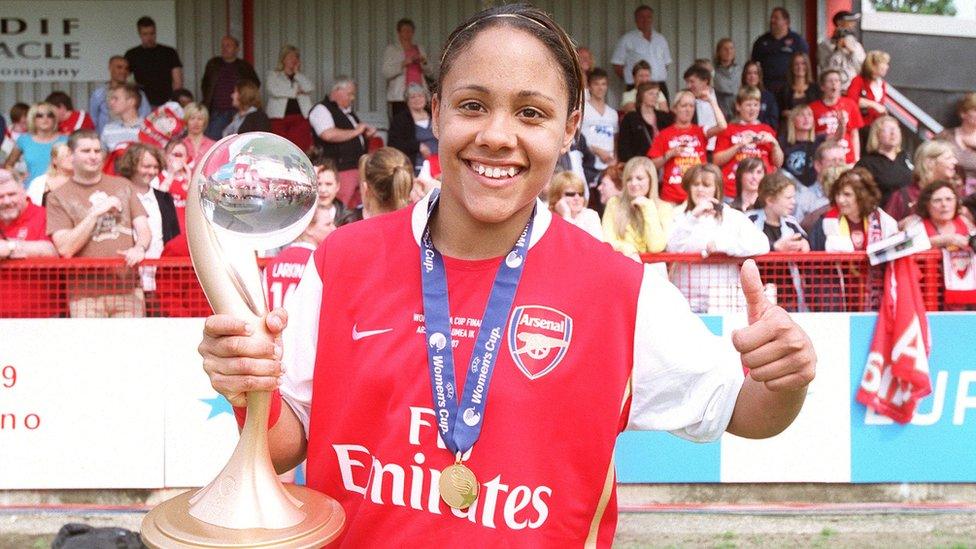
x,y
471,106
531,113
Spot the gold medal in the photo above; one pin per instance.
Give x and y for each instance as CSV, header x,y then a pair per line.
x,y
458,486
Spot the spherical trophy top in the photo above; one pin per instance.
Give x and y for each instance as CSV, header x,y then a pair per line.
x,y
257,188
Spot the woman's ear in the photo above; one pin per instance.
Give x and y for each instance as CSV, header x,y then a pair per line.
x,y
572,124
435,107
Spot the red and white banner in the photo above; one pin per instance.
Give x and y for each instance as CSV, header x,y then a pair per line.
x,y
896,376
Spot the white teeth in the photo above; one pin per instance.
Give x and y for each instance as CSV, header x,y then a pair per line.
x,y
496,172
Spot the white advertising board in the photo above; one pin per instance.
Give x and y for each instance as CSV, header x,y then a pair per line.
x,y
72,40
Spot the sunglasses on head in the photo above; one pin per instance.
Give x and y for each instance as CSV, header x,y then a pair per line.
x,y
572,194
44,114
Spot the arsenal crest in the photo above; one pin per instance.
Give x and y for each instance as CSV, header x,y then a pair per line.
x,y
538,338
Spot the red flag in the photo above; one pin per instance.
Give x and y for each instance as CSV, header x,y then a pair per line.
x,y
896,375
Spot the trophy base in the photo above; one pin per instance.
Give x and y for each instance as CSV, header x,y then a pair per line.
x,y
170,525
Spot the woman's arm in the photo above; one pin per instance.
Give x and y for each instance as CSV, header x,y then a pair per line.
x,y
654,232
280,86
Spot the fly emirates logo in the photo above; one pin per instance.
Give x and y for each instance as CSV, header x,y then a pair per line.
x,y
499,505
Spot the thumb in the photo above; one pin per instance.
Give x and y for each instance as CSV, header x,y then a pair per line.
x,y
752,288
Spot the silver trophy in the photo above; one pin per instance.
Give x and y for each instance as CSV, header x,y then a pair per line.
x,y
253,191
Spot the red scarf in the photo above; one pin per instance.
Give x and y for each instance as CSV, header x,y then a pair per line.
x,y
958,267
896,375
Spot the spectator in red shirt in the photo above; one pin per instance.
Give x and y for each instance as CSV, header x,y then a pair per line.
x,y
23,234
679,147
69,120
869,89
746,138
22,223
833,111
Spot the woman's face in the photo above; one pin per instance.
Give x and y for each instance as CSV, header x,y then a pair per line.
x,y
847,203
684,109
752,75
943,205
501,123
638,184
328,186
703,190
416,101
650,97
290,62
944,166
235,99
803,121
176,157
147,169
881,69
968,117
63,161
726,53
799,68
889,135
44,120
576,199
751,178
607,189
783,202
196,124
749,110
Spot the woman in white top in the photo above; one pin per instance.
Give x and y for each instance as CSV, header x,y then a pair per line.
x,y
57,175
567,198
404,63
289,98
704,225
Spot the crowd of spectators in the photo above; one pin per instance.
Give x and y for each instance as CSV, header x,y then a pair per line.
x,y
749,156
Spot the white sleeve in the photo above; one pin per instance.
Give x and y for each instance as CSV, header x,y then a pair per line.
x,y
739,237
685,236
666,53
299,342
321,119
685,379
619,56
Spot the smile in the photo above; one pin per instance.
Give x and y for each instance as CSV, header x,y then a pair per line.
x,y
495,172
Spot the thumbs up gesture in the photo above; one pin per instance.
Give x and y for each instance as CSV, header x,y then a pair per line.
x,y
774,348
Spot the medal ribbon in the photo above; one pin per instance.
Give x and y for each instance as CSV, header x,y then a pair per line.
x,y
459,424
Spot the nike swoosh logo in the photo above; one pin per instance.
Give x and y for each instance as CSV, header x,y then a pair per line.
x,y
357,335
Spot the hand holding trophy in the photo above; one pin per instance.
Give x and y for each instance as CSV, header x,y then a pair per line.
x,y
251,191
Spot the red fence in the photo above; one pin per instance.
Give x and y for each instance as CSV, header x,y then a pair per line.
x,y
815,281
812,281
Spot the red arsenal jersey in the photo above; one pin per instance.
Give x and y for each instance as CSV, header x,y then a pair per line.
x,y
691,142
826,119
748,134
282,275
594,344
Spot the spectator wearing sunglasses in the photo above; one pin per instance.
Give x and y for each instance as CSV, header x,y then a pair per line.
x,y
567,199
35,145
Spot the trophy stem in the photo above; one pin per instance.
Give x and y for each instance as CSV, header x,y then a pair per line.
x,y
247,492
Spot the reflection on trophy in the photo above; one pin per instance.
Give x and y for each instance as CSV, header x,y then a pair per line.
x,y
253,191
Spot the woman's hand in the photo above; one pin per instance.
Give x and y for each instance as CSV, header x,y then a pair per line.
x,y
424,150
705,208
563,209
238,358
792,243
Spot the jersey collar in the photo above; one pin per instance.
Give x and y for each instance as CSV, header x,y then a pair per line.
x,y
418,220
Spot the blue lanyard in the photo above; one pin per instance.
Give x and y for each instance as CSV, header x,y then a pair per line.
x,y
459,424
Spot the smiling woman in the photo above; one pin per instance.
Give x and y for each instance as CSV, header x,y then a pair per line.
x,y
483,273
